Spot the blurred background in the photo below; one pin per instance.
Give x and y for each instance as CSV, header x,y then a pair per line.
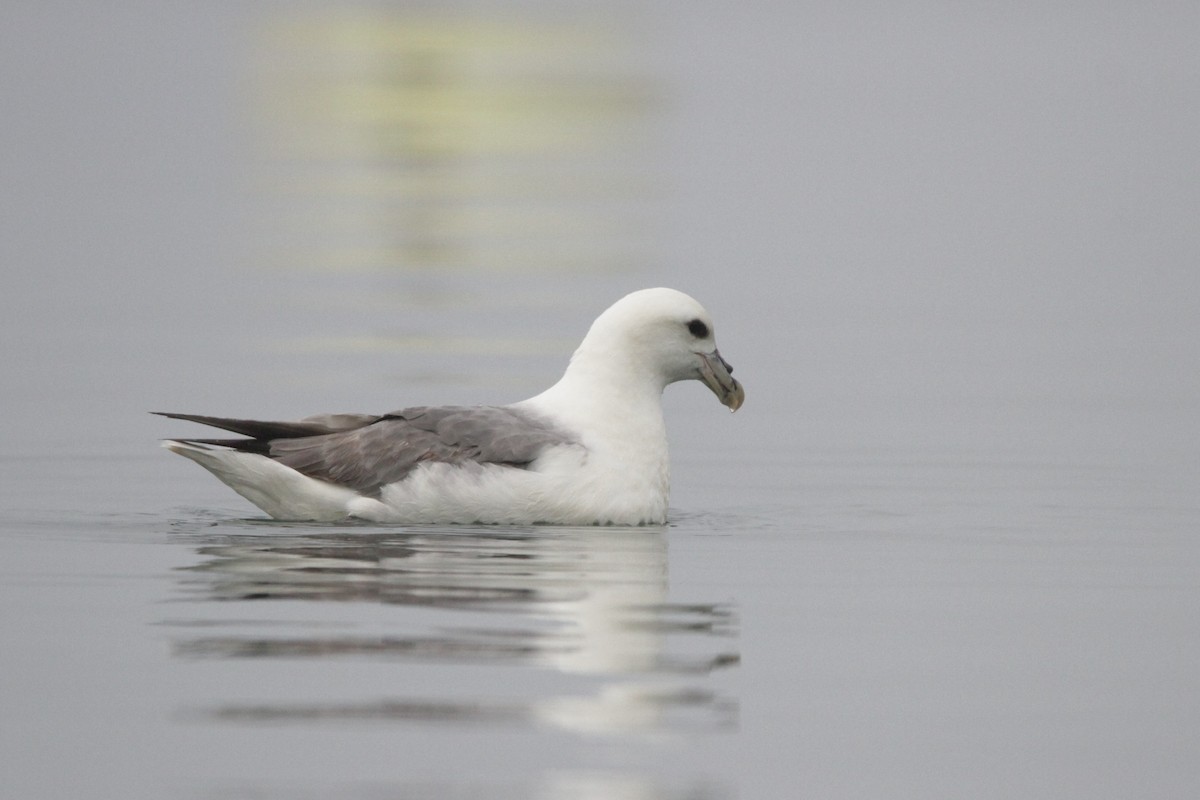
x,y
952,250
917,224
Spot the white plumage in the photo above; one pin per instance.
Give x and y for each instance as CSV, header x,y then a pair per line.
x,y
591,449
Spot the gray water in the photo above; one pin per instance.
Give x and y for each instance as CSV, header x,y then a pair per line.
x,y
949,547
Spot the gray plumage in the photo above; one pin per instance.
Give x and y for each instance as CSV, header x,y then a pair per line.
x,y
589,450
366,452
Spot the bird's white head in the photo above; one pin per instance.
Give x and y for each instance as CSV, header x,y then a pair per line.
x,y
661,335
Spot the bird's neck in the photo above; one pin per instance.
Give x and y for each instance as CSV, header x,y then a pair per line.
x,y
617,415
613,398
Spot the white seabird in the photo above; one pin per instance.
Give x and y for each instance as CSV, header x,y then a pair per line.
x,y
590,450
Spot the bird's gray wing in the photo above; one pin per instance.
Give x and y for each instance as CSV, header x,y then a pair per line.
x,y
261,432
368,457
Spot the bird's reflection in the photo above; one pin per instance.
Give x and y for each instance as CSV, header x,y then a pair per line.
x,y
578,601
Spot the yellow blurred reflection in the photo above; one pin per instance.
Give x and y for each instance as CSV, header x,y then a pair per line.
x,y
422,141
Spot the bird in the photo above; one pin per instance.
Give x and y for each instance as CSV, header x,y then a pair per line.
x,y
589,450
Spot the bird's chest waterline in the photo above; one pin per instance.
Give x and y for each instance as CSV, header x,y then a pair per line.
x,y
629,485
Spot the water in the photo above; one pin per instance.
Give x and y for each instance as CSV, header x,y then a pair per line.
x,y
948,547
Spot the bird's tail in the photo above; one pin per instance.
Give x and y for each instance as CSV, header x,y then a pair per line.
x,y
278,490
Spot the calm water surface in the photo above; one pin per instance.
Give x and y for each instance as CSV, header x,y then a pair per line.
x,y
908,628
949,547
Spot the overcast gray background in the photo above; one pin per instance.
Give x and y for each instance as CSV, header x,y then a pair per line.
x,y
970,221
951,249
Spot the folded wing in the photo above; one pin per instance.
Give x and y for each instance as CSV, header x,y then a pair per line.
x,y
366,452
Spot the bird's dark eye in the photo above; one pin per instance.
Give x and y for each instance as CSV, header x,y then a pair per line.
x,y
698,329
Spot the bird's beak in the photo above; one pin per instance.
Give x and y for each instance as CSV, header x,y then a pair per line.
x,y
715,372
